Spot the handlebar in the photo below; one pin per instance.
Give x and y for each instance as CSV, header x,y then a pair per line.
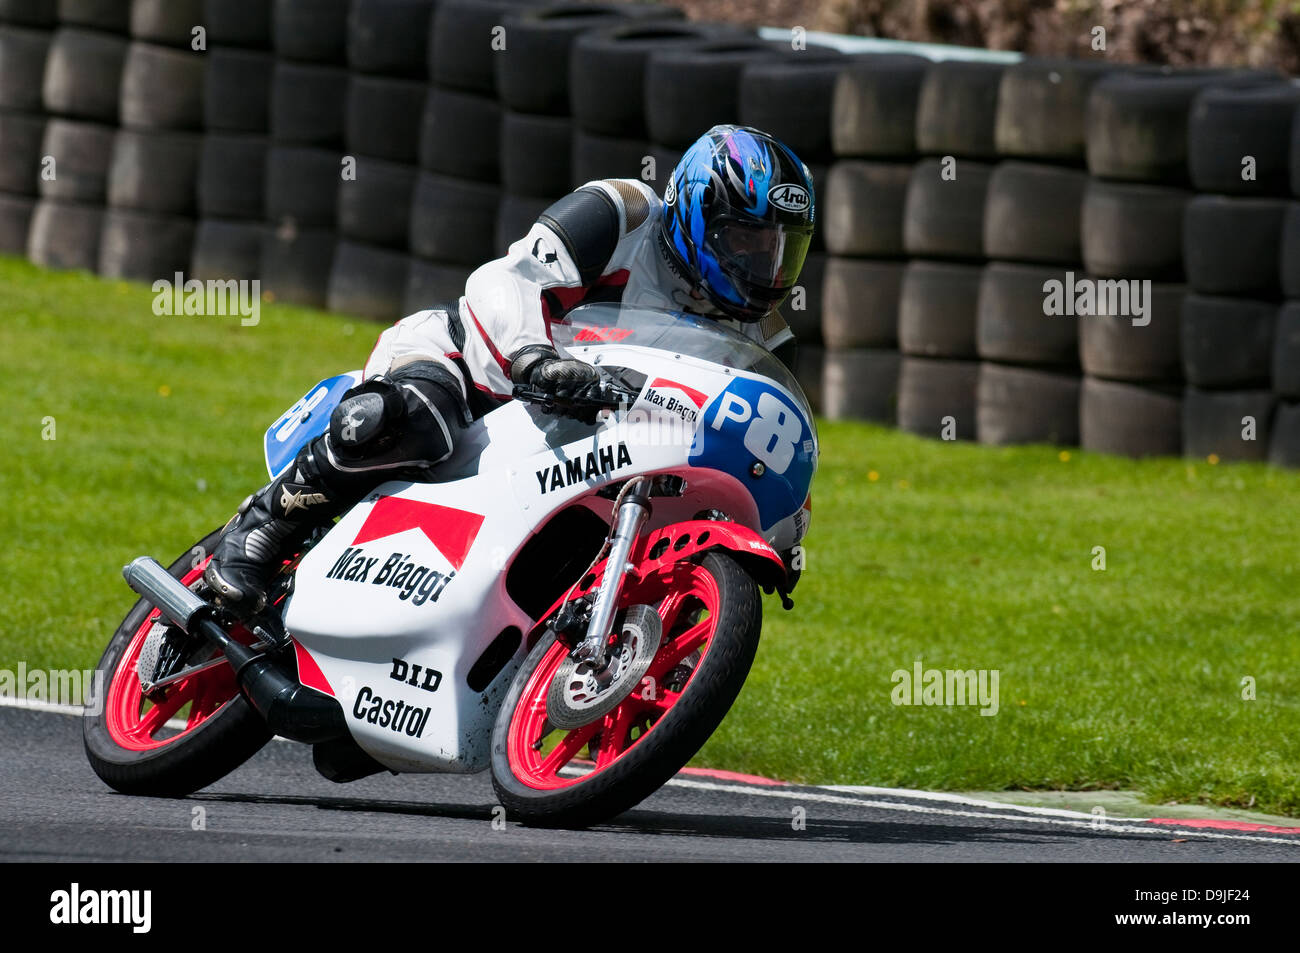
x,y
583,404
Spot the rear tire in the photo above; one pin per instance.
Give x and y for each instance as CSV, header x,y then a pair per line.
x,y
218,744
679,722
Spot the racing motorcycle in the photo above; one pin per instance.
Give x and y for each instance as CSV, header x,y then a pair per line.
x,y
572,601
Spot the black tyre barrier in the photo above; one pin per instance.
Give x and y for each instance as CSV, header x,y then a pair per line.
x,y
873,106
536,155
802,310
232,177
302,186
1032,213
460,135
15,222
1289,259
30,12
1227,342
1133,230
155,172
454,220
65,235
937,306
375,207
430,284
22,67
1284,442
390,37
1042,108
534,78
1232,246
936,398
665,160
308,104
604,157
860,303
1137,124
111,16
166,21
162,88
224,250
516,215
809,364
1114,348
790,97
607,69
957,111
313,31
83,75
944,218
81,152
238,23
383,118
368,281
21,137
1128,420
1024,405
689,90
1011,323
237,94
861,385
461,48
1286,352
1219,422
142,246
862,207
1227,126
296,264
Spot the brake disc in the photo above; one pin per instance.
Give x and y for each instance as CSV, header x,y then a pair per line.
x,y
583,692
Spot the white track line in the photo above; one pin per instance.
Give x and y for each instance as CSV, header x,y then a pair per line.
x,y
1024,818
835,794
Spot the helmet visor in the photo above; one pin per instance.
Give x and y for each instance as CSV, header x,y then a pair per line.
x,y
764,257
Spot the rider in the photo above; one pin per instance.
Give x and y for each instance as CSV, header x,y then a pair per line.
x,y
728,240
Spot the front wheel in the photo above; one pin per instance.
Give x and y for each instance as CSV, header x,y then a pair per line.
x,y
183,737
711,613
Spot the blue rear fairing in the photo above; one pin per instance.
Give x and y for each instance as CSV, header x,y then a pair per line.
x,y
753,422
305,421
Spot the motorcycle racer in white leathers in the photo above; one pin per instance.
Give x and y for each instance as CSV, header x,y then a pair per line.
x,y
727,240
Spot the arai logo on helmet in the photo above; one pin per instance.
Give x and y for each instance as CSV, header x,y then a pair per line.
x,y
790,197
670,193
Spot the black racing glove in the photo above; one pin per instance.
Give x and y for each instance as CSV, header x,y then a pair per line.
x,y
541,366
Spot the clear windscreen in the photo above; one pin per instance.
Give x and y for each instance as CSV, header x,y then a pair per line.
x,y
699,337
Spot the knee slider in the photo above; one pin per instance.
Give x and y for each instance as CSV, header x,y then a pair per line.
x,y
368,420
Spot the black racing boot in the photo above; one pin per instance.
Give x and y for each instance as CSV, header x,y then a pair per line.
x,y
267,529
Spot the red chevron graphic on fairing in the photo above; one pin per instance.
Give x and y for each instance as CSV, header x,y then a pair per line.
x,y
697,396
453,531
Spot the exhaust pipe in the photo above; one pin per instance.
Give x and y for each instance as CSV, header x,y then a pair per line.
x,y
290,709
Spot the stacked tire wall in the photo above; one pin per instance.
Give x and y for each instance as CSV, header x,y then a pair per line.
x,y
366,155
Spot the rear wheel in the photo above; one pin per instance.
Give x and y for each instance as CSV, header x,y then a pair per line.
x,y
711,614
181,737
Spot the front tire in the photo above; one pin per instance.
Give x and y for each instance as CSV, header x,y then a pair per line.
x,y
132,742
711,613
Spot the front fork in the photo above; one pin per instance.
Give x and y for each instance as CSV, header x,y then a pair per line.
x,y
631,516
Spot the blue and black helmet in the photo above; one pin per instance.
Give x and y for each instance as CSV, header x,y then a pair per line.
x,y
738,216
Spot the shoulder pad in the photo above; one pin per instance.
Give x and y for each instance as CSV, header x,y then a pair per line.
x,y
587,222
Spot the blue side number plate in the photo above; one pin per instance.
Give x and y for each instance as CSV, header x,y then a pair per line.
x,y
305,421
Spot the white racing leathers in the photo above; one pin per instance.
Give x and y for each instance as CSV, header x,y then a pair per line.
x,y
511,303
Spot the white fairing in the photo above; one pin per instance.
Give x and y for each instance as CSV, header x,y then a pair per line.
x,y
398,657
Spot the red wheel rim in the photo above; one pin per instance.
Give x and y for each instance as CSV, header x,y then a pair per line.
x,y
138,723
538,753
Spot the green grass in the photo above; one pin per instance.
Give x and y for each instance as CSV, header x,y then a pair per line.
x,y
965,557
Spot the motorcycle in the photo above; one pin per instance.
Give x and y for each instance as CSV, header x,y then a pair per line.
x,y
572,601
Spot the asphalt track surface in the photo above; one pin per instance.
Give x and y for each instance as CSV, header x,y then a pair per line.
x,y
277,808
